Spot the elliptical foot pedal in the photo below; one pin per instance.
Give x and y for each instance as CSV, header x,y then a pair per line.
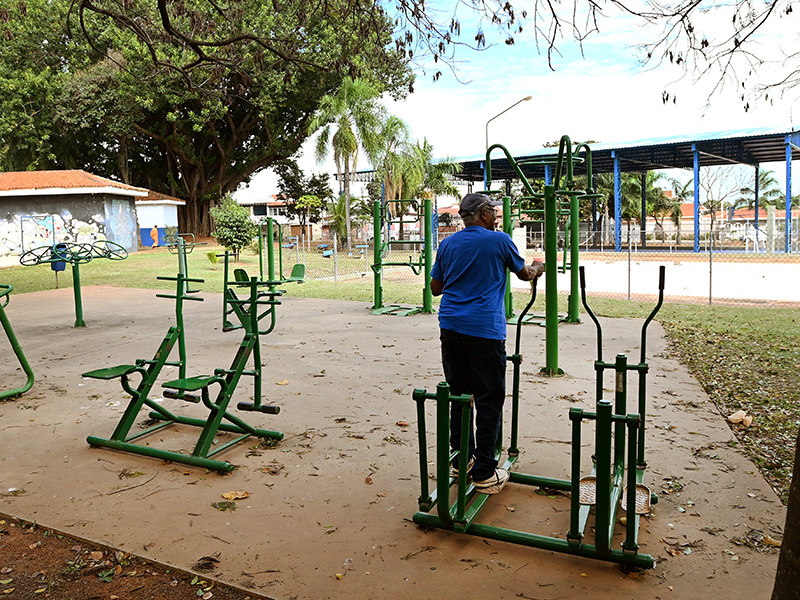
x,y
643,505
587,490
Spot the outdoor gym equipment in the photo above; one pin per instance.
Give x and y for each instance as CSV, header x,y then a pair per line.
x,y
298,272
247,310
5,298
182,244
616,476
185,388
423,265
76,255
560,200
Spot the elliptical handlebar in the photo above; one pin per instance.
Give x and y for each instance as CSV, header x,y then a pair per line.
x,y
524,312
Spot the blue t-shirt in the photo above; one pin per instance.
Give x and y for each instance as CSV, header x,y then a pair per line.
x,y
472,266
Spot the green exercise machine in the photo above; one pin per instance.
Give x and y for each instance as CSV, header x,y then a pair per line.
x,y
193,389
5,298
298,272
60,254
560,201
615,482
421,266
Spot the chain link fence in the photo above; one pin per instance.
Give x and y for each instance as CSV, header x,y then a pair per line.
x,y
746,268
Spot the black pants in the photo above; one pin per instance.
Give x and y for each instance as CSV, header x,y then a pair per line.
x,y
476,366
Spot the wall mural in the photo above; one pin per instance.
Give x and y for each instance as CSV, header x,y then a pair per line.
x,y
122,226
23,232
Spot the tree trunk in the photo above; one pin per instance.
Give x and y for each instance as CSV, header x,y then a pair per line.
x,y
194,218
788,575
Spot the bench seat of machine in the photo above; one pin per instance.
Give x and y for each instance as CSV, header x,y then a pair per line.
x,y
190,384
110,372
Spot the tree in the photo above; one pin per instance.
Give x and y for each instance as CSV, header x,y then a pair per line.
x,y
769,192
306,205
347,118
293,185
788,573
718,185
233,227
137,104
683,193
435,174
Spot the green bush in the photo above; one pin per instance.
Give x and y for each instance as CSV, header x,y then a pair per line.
x,y
233,227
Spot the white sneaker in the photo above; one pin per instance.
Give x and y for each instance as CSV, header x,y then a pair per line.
x,y
494,484
454,468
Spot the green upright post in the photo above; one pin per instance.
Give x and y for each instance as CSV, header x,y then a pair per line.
x,y
270,250
427,294
183,269
76,292
377,271
261,250
507,228
550,278
573,309
603,508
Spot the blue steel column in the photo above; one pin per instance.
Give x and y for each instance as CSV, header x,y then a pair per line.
x,y
617,202
756,193
696,198
788,243
548,175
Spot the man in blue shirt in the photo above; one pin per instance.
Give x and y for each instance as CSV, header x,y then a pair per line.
x,y
470,275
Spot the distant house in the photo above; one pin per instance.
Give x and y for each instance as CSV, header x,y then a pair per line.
x,y
155,214
40,208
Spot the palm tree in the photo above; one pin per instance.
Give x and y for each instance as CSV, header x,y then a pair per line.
x,y
346,119
435,174
391,159
682,193
769,192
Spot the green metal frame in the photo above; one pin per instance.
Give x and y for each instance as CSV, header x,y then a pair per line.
x,y
5,298
298,272
423,265
618,464
76,255
187,388
560,201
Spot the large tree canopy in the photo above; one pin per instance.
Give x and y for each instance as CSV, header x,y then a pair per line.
x,y
188,98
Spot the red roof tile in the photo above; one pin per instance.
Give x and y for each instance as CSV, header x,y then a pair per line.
x,y
42,180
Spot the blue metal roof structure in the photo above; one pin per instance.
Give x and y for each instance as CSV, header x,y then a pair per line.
x,y
743,147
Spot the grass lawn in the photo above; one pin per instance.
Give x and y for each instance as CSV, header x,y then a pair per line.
x,y
745,358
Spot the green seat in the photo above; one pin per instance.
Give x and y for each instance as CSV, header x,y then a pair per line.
x,y
110,372
298,273
189,384
241,275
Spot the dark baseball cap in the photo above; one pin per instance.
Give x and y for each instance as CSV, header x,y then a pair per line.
x,y
473,203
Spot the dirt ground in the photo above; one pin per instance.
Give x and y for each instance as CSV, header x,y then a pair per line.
x,y
329,509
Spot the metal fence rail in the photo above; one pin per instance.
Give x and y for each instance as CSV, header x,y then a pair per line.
x,y
727,269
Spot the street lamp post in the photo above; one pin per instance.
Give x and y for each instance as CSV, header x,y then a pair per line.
x,y
526,98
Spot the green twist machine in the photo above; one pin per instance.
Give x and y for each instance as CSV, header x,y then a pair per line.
x,y
76,255
5,298
197,389
616,478
422,266
560,202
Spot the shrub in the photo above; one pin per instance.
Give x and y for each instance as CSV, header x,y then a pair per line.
x,y
233,227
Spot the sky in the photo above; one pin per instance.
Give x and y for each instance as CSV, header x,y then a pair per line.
x,y
603,93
